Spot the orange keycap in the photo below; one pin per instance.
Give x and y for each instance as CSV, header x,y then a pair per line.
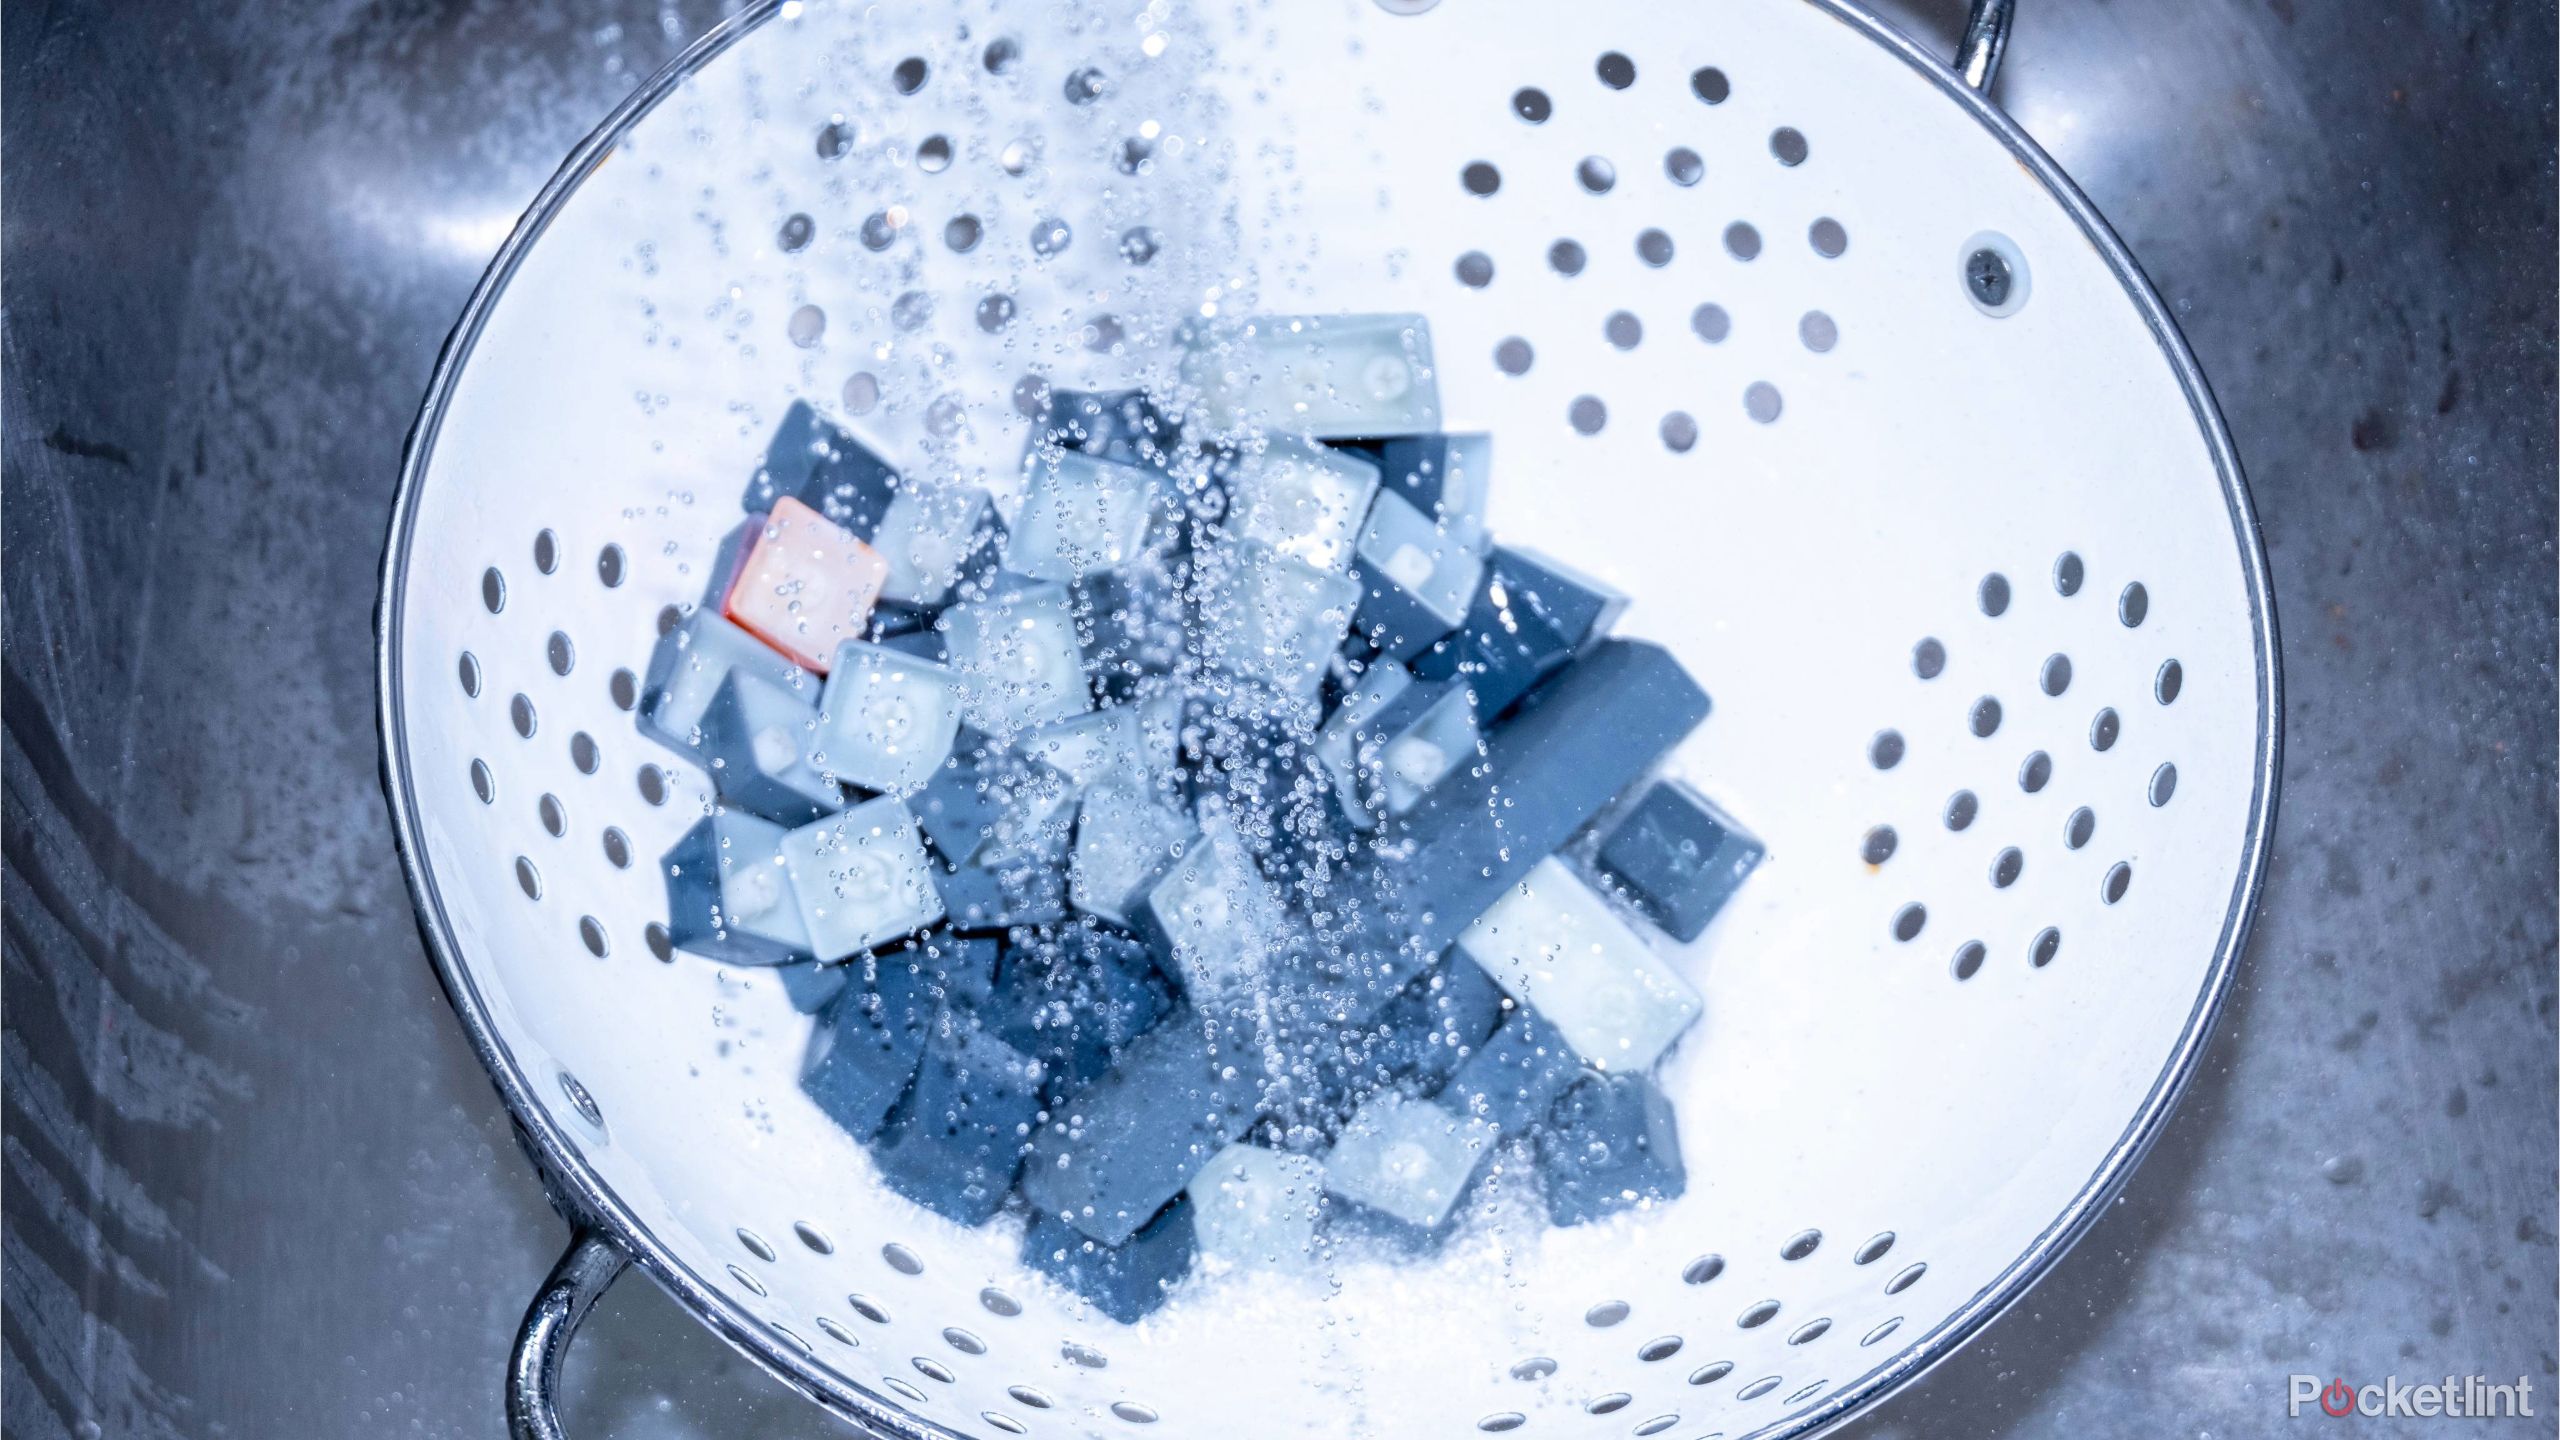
x,y
805,585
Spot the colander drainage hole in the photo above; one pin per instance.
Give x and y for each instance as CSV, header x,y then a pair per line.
x,y
1536,1367
1961,808
1800,1245
1567,257
1710,85
1878,847
1874,1249
2036,773
1758,1388
1684,166
901,1259
1908,921
1004,1422
1475,269
1615,70
483,783
1762,402
2119,880
1758,1315
2133,605
2171,679
554,818
660,943
1702,1269
1742,240
528,878
2056,675
2006,867
583,753
1993,594
1828,237
1480,178
1709,1374
1610,1404
1789,145
493,589
1929,659
2048,943
2103,731
1513,356
2164,783
1605,1314
591,931
653,784
1712,323
625,689
1026,1395
1532,105
470,672
520,713
1133,1412
998,1302
2068,573
617,848
1506,1420
1661,1347
1985,719
755,1244
1905,1279
546,551
1809,1332
1679,432
609,566
1968,960
1886,749
813,1237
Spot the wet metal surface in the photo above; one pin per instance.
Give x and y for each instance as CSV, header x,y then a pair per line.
x,y
257,1186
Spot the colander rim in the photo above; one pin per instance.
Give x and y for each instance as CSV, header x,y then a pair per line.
x,y
578,1187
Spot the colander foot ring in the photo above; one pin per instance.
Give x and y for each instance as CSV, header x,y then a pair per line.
x,y
542,1342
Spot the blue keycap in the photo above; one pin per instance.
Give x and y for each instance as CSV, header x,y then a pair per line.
x,y
729,892
1133,625
1303,500
1412,1045
809,985
955,1140
1126,1281
1588,735
990,806
1271,619
1119,425
866,1046
755,737
1116,1151
1679,857
1125,840
1074,999
820,464
1393,739
1446,477
956,970
1529,618
1514,1076
1611,1144
980,899
1559,948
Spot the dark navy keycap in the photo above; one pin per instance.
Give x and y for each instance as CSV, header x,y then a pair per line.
x,y
1074,999
755,737
956,1138
1610,1144
1126,1281
820,464
866,1047
1514,1076
1111,1157
1679,858
728,895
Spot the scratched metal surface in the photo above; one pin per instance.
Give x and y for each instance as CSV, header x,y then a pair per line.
x,y
255,1184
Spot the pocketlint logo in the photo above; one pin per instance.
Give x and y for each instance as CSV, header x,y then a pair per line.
x,y
2465,1397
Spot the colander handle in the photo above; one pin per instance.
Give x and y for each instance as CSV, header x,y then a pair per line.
x,y
542,1342
1986,34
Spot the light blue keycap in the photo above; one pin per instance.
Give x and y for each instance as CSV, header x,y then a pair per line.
x,y
1302,500
1406,1158
1081,515
1256,1207
1334,377
887,719
861,878
929,538
1553,944
1220,922
1275,620
1017,659
1131,741
1125,837
1346,732
686,669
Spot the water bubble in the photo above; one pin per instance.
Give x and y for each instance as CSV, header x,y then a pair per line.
x,y
946,416
796,233
834,139
879,230
861,393
1050,236
933,156
912,310
1017,155
808,325
1136,156
995,312
961,233
1138,245
1087,85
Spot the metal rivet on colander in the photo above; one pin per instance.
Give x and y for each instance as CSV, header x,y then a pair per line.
x,y
1994,274
580,1100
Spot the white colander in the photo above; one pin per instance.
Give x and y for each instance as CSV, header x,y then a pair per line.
x,y
1848,388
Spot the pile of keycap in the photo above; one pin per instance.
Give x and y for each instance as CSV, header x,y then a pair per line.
x,y
1233,851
